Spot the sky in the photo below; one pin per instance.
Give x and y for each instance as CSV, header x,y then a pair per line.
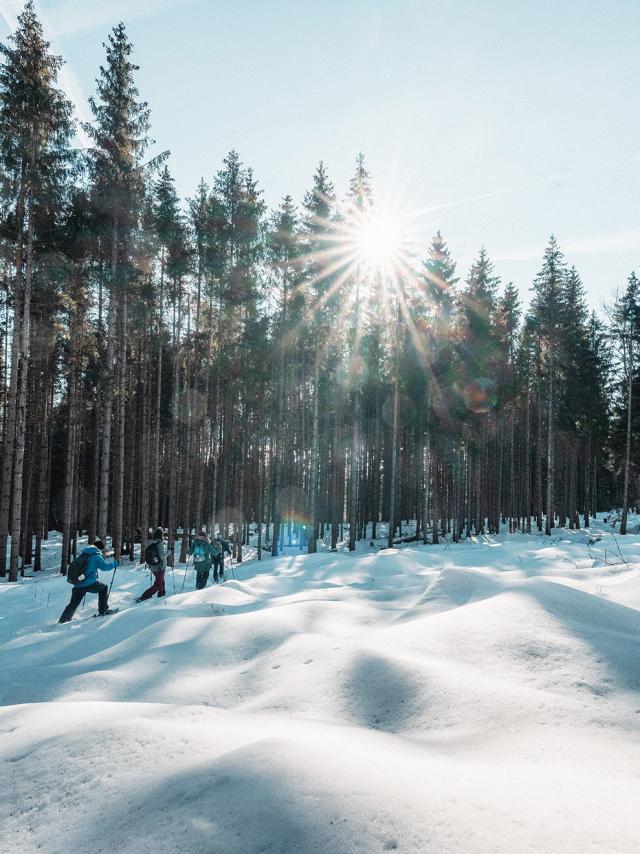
x,y
496,122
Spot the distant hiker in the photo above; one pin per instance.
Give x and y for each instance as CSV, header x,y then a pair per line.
x,y
155,557
83,574
202,553
218,549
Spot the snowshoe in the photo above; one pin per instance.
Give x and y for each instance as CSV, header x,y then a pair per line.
x,y
108,612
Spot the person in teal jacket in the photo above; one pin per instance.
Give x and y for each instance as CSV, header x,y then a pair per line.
x,y
202,553
90,583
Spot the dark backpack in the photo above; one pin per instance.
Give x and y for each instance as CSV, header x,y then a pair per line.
x,y
216,547
152,555
78,568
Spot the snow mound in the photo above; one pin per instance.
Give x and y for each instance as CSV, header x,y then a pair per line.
x,y
454,587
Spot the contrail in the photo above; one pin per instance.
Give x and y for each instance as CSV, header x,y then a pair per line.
x,y
518,188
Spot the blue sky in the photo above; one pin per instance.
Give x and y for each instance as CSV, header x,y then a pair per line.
x,y
501,121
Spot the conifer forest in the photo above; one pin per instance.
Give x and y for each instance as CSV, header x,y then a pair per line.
x,y
210,362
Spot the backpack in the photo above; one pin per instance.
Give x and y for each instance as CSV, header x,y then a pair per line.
x,y
216,547
152,555
199,552
78,568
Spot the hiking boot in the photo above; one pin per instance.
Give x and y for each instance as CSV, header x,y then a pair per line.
x,y
108,612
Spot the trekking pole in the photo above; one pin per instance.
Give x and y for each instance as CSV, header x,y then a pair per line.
x,y
184,578
115,569
173,579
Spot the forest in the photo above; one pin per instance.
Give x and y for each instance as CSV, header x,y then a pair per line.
x,y
210,362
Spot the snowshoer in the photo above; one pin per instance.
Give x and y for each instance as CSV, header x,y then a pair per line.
x,y
202,553
218,549
155,557
84,573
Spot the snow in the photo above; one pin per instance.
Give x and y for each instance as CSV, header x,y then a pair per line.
x,y
479,697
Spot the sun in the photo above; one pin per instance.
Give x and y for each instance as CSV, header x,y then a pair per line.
x,y
378,240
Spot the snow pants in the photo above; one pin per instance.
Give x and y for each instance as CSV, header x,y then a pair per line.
x,y
202,576
157,586
78,594
218,568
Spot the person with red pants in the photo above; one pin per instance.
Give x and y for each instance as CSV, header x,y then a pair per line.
x,y
155,556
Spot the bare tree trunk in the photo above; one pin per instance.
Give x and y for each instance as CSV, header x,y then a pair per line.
x,y
527,463
21,414
117,511
145,417
107,412
315,462
627,453
240,511
550,451
156,509
393,487
41,515
173,448
69,471
11,409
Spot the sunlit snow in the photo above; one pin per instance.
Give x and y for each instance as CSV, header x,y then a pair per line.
x,y
481,697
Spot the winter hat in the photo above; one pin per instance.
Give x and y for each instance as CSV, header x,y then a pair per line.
x,y
99,544
158,534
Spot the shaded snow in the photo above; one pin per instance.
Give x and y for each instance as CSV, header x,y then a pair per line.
x,y
482,697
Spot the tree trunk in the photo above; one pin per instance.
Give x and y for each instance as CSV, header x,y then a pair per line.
x,y
550,450
627,453
107,411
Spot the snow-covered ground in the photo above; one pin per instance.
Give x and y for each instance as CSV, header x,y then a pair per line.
x,y
482,697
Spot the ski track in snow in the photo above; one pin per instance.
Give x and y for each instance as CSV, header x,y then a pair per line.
x,y
482,697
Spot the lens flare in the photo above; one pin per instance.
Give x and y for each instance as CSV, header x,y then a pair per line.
x,y
378,240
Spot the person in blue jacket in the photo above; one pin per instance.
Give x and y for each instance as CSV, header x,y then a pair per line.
x,y
90,583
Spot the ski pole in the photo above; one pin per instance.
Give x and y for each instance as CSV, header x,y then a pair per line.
x,y
173,579
115,569
184,578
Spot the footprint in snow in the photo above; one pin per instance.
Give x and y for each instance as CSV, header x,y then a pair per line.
x,y
308,661
276,667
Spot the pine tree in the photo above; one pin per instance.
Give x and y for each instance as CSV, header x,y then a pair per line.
x,y
437,280
36,128
317,276
510,388
625,333
548,309
172,237
119,135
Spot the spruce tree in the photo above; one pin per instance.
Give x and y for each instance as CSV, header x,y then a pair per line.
x,y
548,309
625,333
36,129
317,277
117,172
